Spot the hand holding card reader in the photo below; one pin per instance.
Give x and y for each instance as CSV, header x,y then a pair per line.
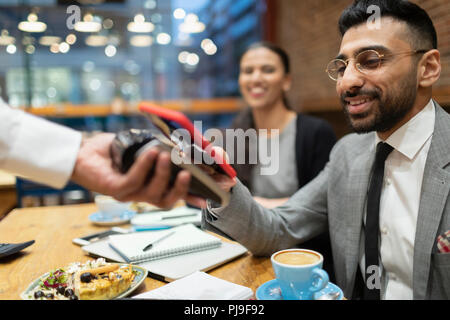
x,y
128,145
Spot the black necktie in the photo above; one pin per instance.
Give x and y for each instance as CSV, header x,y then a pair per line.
x,y
371,287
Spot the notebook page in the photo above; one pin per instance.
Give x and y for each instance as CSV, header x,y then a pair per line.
x,y
187,238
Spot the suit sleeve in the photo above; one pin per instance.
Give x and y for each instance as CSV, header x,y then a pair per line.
x,y
37,149
325,139
265,231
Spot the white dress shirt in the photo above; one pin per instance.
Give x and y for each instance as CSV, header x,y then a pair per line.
x,y
399,203
35,148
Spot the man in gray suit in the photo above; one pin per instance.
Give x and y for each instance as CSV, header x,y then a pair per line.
x,y
384,75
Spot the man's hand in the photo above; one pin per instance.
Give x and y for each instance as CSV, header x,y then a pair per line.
x,y
224,182
94,170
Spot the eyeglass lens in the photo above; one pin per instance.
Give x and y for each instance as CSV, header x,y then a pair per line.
x,y
365,62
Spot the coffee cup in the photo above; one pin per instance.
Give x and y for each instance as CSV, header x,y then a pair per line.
x,y
299,273
110,208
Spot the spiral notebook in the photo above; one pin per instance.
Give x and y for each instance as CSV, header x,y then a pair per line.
x,y
182,240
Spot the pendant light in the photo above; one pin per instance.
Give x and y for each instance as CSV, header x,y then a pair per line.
x,y
32,24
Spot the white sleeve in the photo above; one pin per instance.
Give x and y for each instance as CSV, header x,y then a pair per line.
x,y
35,148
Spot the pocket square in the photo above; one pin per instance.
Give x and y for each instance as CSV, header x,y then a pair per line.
x,y
443,242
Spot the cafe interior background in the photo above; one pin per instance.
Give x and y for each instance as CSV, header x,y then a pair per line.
x,y
181,54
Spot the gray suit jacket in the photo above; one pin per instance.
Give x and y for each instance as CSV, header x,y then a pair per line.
x,y
336,199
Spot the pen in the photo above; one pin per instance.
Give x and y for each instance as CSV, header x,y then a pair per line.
x,y
150,245
150,228
179,216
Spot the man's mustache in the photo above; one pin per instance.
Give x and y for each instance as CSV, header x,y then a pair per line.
x,y
367,93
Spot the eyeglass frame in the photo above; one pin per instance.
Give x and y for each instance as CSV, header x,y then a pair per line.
x,y
380,56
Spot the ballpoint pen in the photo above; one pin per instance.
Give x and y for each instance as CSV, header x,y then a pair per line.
x,y
149,228
150,245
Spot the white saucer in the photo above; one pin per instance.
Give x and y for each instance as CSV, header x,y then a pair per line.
x,y
100,219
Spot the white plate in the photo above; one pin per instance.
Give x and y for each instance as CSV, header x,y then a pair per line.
x,y
98,218
140,275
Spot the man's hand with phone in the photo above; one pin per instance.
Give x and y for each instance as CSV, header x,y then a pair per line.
x,y
224,182
94,170
178,175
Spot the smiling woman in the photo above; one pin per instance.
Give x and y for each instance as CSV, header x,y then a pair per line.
x,y
264,81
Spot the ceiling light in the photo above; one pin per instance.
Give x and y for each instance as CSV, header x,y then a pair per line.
x,y
49,40
139,25
141,41
89,24
64,47
108,23
6,39
96,40
191,24
30,49
32,24
205,43
179,13
209,47
182,56
192,59
163,38
191,18
54,48
71,38
11,49
110,51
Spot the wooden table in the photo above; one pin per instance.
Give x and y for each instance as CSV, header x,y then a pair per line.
x,y
8,198
53,229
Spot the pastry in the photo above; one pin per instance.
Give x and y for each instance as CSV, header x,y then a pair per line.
x,y
94,280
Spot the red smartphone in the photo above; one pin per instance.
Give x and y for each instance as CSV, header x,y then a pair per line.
x,y
168,120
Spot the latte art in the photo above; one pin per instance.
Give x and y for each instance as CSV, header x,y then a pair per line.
x,y
297,258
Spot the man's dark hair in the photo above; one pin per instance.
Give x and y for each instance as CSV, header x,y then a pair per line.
x,y
423,33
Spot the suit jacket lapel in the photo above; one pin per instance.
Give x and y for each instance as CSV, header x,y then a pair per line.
x,y
358,188
435,191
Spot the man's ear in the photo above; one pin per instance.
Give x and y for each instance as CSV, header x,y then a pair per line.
x,y
429,69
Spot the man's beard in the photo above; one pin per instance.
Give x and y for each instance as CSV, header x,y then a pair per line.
x,y
390,111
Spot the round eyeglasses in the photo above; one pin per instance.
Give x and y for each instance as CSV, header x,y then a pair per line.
x,y
365,62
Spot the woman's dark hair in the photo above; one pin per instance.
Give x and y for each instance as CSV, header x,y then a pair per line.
x,y
422,31
284,57
274,48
